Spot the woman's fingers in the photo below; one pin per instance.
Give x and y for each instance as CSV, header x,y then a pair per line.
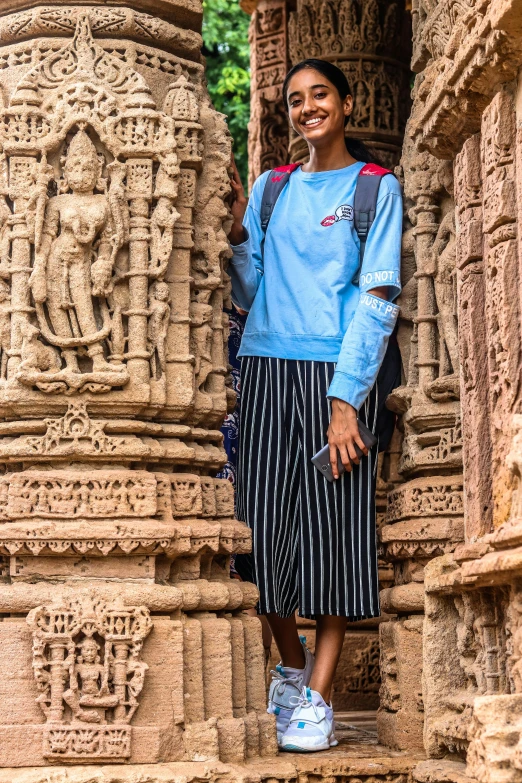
x,y
362,445
333,460
352,452
345,458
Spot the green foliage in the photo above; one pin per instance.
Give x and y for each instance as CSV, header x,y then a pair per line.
x,y
227,52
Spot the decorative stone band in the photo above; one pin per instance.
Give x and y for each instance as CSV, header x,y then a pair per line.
x,y
76,437
109,22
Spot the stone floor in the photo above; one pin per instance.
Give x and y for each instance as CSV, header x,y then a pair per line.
x,y
357,756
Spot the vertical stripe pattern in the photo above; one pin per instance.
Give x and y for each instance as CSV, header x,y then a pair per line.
x,y
314,542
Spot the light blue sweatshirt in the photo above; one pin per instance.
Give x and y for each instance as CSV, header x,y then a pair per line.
x,y
306,297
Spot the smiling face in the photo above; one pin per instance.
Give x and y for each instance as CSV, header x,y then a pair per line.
x,y
317,112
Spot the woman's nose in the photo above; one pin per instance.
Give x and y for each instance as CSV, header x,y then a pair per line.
x,y
308,104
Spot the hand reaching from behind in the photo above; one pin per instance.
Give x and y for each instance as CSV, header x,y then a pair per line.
x,y
238,203
343,433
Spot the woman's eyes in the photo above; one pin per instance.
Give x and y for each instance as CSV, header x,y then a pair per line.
x,y
297,101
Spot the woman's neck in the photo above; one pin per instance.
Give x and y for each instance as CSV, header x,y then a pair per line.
x,y
328,157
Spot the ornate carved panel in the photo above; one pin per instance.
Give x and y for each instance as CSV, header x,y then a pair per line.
x,y
88,671
268,126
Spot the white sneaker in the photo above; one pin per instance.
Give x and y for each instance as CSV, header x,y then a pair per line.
x,y
311,726
287,685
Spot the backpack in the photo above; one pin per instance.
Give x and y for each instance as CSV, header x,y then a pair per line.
x,y
365,203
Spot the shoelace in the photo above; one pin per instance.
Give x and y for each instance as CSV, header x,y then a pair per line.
x,y
277,674
304,701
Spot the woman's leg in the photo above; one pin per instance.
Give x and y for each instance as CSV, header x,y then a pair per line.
x,y
330,631
286,637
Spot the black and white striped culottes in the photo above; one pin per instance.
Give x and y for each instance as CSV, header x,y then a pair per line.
x,y
314,542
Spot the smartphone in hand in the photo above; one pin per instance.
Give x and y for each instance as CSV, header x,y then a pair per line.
x,y
322,459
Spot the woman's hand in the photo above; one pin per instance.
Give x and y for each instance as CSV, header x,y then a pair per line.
x,y
343,433
238,203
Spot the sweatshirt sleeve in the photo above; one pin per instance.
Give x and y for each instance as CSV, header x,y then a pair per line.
x,y
366,338
246,266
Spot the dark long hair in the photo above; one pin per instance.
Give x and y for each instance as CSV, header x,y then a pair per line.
x,y
335,76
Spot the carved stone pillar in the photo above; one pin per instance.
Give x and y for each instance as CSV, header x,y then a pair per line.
x,y
268,129
466,115
425,512
370,41
123,636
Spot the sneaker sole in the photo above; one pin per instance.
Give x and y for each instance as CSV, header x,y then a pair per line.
x,y
296,749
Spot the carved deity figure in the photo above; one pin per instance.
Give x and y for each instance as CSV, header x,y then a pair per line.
x,y
348,27
201,340
5,328
89,686
326,23
165,214
443,268
370,26
159,315
384,109
361,109
81,234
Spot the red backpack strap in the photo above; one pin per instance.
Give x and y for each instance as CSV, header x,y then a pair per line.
x,y
274,185
373,170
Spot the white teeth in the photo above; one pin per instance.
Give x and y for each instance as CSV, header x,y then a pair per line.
x,y
314,121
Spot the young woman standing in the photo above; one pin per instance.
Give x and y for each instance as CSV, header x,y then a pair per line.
x,y
315,337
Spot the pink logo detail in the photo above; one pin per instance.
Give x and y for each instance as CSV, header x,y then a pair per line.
x,y
328,221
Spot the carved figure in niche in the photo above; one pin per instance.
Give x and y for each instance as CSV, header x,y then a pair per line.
x,y
201,340
384,109
443,257
467,646
86,656
5,328
165,215
89,685
35,355
306,35
81,234
361,109
326,24
390,22
5,217
348,27
370,27
159,316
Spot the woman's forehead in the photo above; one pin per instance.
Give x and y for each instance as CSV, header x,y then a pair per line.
x,y
308,78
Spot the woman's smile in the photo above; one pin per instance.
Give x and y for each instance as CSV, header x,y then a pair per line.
x,y
314,122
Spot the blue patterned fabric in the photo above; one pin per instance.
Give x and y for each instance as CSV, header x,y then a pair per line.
x,y
230,428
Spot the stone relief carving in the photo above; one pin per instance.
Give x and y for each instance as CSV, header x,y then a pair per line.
x,y
103,170
268,126
88,669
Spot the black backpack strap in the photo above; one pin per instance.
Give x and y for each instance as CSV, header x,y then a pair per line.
x,y
274,186
365,201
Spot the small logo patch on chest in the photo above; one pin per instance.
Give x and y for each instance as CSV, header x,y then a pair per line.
x,y
344,212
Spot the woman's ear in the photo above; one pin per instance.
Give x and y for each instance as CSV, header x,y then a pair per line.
x,y
348,105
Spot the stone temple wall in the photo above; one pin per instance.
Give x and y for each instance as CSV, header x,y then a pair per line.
x,y
122,637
